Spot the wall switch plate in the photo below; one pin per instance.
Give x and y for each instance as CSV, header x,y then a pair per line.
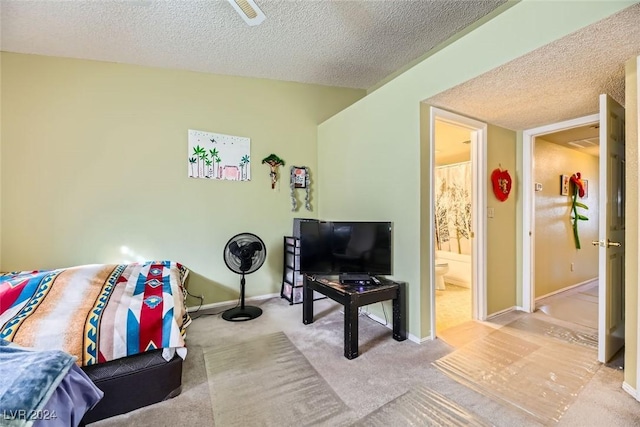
x,y
538,186
490,212
571,266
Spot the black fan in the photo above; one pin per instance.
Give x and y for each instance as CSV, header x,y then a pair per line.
x,y
244,253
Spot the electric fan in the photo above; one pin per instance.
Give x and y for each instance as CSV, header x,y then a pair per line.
x,y
244,253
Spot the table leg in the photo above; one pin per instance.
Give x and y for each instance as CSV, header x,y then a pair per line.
x,y
350,331
399,314
307,303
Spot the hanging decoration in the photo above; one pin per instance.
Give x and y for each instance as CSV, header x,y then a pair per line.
x,y
300,179
273,161
577,190
501,181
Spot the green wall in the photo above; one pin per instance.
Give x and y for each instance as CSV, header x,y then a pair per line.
x,y
369,155
94,159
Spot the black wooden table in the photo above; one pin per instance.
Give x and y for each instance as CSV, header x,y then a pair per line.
x,y
352,297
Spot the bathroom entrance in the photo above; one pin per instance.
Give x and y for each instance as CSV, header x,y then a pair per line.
x,y
458,228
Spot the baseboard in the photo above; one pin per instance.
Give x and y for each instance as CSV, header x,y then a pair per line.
x,y
456,282
231,302
498,313
568,288
382,321
632,391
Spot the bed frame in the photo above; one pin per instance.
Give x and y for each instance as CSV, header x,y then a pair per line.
x,y
133,382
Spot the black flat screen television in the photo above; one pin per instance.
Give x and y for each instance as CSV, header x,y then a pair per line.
x,y
345,247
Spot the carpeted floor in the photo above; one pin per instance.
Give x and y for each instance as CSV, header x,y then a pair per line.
x,y
249,379
388,379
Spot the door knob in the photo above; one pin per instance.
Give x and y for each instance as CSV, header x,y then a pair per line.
x,y
607,245
616,244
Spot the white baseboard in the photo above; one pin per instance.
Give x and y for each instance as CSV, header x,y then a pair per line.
x,y
231,302
568,288
382,321
456,282
498,313
632,391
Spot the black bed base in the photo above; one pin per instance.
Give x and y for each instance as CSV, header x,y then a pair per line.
x,y
133,382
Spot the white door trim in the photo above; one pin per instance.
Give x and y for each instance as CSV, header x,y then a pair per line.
x,y
528,206
479,203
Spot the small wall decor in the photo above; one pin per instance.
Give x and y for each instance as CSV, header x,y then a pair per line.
x,y
501,181
300,179
273,161
577,189
218,156
585,185
564,185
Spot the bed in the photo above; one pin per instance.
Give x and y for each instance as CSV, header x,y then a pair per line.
x,y
43,388
124,323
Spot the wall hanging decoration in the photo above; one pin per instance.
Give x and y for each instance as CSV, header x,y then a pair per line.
x,y
577,190
564,185
300,179
501,181
273,161
217,156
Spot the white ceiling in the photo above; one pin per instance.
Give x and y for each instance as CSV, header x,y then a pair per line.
x,y
338,43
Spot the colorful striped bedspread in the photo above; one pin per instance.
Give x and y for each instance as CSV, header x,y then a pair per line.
x,y
97,312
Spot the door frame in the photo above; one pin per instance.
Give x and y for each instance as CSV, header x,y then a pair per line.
x,y
528,205
479,202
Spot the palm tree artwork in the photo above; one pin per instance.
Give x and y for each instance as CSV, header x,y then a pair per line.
x,y
192,161
218,156
209,162
214,154
198,152
218,160
245,161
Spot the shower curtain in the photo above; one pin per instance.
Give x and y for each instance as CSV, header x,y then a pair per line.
x,y
453,207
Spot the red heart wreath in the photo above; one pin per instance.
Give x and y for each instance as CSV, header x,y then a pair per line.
x,y
501,181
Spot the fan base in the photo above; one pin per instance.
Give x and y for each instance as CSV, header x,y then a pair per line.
x,y
239,314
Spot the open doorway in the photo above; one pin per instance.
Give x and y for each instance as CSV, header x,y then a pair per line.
x,y
453,250
610,207
458,199
565,264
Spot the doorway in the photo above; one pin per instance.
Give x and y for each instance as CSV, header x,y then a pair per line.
x,y
565,264
458,146
610,240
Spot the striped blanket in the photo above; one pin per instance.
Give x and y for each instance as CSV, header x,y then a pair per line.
x,y
97,312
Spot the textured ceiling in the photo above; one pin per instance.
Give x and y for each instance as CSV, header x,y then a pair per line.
x,y
339,43
559,81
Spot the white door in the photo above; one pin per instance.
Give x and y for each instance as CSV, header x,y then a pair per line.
x,y
611,230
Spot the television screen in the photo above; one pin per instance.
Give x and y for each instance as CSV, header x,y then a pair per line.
x,y
345,247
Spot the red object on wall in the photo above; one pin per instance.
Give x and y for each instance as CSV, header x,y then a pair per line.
x,y
501,181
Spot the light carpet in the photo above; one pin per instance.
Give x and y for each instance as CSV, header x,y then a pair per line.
x,y
269,379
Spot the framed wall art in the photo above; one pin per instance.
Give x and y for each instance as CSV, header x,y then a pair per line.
x,y
564,185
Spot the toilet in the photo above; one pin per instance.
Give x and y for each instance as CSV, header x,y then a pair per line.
x,y
442,268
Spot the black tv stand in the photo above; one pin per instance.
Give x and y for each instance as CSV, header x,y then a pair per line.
x,y
355,279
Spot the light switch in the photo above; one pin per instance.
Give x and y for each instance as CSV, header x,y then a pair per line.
x,y
538,186
490,212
